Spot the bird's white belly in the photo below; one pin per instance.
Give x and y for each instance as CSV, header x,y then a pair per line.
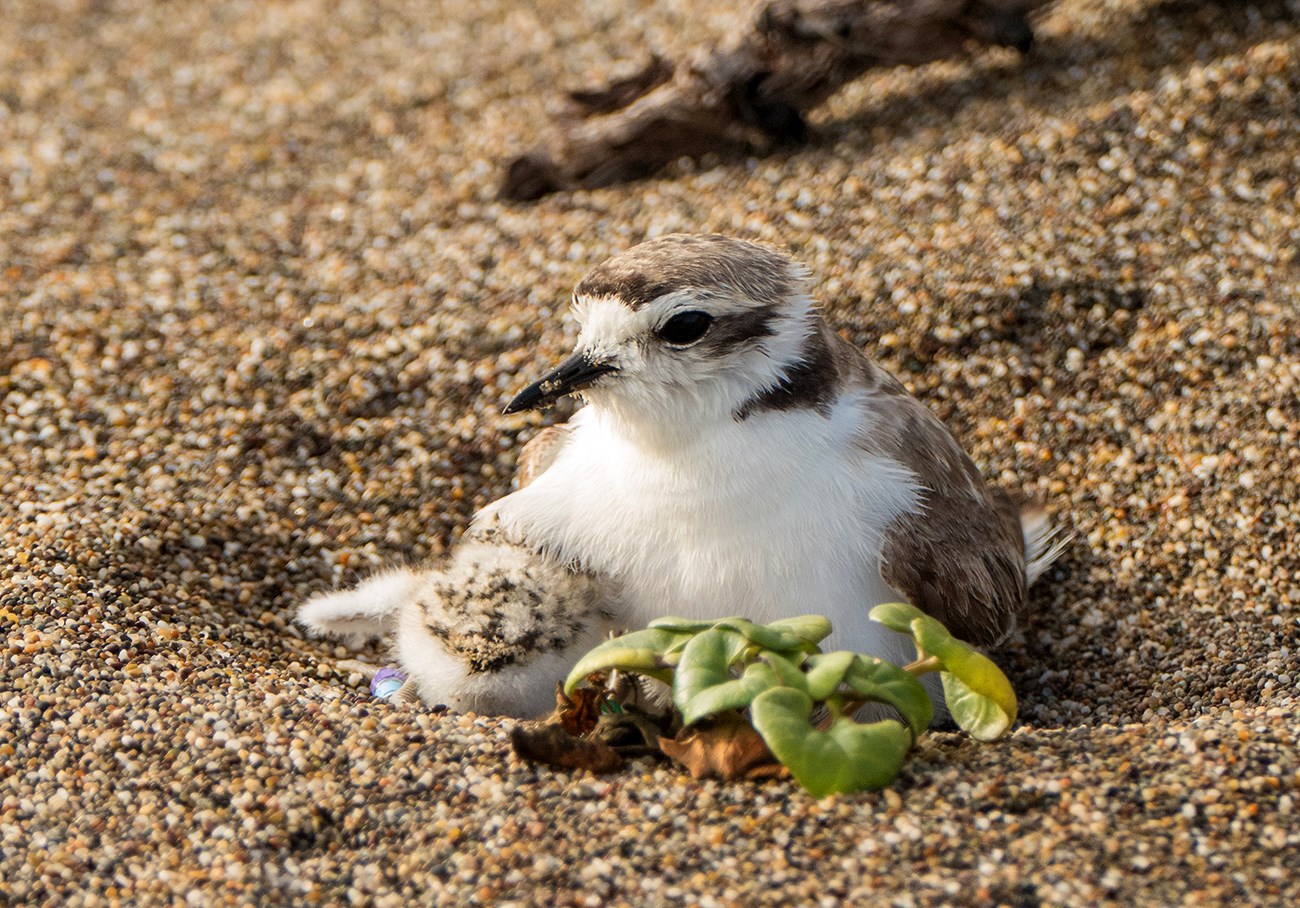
x,y
767,527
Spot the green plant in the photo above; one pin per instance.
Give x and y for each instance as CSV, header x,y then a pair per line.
x,y
802,701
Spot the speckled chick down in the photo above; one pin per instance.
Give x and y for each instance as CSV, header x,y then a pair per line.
x,y
477,632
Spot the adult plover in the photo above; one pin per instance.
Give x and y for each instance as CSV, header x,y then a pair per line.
x,y
735,457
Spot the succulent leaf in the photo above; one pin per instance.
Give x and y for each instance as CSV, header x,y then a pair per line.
x,y
846,757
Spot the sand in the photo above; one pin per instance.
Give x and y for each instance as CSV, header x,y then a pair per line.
x,y
259,313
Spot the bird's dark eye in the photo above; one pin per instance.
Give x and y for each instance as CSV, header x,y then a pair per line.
x,y
685,327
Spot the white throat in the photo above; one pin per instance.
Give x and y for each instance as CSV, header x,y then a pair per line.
x,y
775,515
666,405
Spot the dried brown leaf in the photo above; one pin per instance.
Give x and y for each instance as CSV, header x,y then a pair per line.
x,y
728,749
580,713
549,743
631,733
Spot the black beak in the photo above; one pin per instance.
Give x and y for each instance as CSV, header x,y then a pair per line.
x,y
574,374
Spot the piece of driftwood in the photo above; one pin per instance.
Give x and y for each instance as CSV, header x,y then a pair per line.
x,y
749,94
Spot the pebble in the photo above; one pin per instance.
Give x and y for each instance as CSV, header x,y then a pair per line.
x,y
260,313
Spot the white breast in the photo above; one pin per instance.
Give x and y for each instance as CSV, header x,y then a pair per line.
x,y
778,515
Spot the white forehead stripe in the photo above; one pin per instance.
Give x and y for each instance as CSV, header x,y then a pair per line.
x,y
606,324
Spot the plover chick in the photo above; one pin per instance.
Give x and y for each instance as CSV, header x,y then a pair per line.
x,y
737,457
491,631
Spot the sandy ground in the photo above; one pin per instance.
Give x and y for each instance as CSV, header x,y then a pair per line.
x,y
259,314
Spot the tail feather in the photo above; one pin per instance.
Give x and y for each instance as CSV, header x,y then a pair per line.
x,y
363,613
1044,542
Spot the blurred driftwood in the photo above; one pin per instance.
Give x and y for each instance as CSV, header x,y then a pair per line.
x,y
750,93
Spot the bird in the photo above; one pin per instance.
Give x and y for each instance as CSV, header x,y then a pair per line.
x,y
733,456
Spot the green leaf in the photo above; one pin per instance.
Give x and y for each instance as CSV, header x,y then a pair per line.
x,y
979,696
736,693
931,636
846,757
825,673
644,652
704,686
706,664
982,717
897,616
812,628
786,671
785,635
884,682
685,625
766,638
659,640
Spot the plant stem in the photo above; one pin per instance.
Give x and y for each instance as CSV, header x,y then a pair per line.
x,y
851,706
923,665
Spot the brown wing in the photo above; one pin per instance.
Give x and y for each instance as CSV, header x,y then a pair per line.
x,y
540,453
962,557
962,561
